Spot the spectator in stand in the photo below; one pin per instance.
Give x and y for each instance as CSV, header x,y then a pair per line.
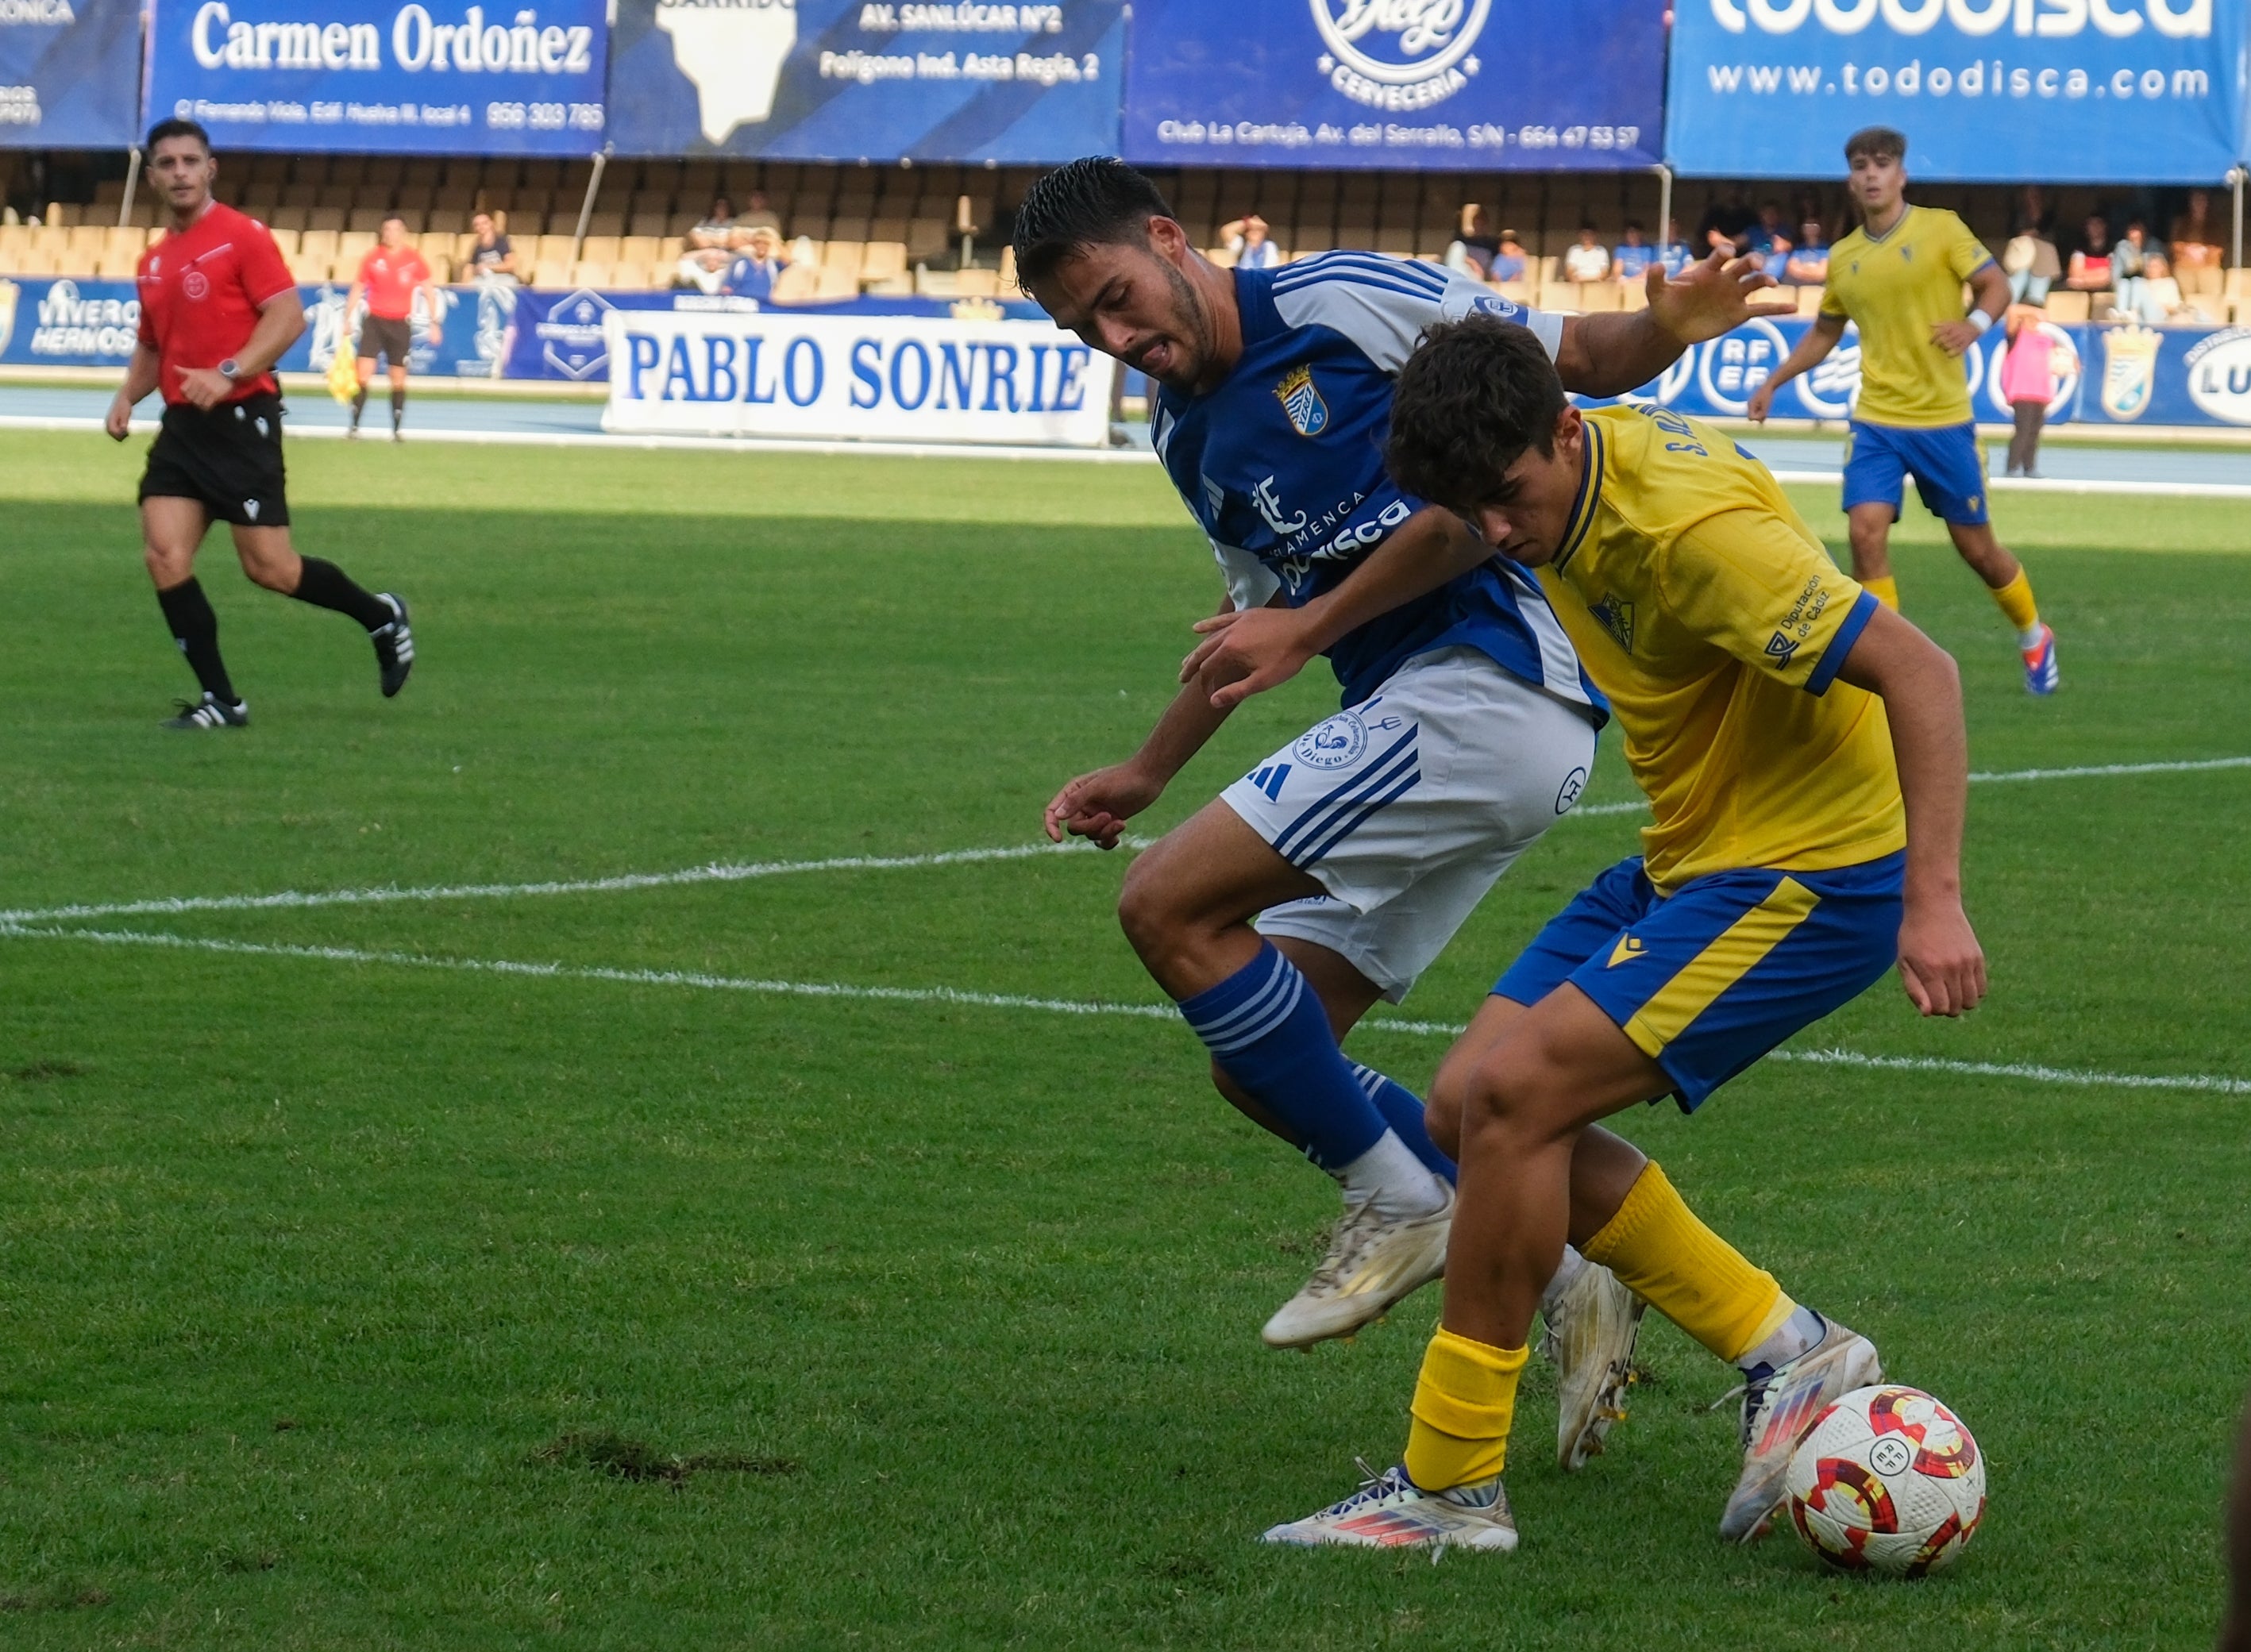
x,y
1587,258
1248,239
1808,262
1632,257
1767,230
2038,211
2194,237
2027,384
1511,262
2032,264
1726,225
1473,251
491,256
756,266
1676,254
704,264
2090,264
2129,267
2161,303
757,214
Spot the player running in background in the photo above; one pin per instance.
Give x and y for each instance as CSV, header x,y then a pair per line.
x,y
390,275
1360,848
217,308
1899,277
1802,749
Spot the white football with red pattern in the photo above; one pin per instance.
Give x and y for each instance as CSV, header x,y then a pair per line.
x,y
1888,1480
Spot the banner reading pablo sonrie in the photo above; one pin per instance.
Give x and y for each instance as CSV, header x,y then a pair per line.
x,y
2089,91
1474,84
426,77
70,73
845,79
875,377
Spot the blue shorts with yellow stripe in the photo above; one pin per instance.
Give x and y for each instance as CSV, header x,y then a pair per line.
x,y
1950,471
1709,979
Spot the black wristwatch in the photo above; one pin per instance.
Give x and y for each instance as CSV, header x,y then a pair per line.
x,y
229,368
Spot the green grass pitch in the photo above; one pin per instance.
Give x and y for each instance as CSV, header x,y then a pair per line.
x,y
358,1304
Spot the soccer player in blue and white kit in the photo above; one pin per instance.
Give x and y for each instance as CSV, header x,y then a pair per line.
x,y
1468,727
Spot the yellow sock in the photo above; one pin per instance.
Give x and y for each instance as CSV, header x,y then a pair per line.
x,y
1687,1272
2016,601
1885,590
1463,1402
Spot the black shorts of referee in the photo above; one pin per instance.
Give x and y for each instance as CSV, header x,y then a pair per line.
x,y
392,338
228,457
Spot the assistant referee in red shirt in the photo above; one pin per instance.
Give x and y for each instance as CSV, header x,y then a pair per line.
x,y
218,308
389,276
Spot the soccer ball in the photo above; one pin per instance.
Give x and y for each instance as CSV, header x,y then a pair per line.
x,y
1889,1480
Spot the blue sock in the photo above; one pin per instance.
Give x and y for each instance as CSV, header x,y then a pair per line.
x,y
1403,1110
1266,1028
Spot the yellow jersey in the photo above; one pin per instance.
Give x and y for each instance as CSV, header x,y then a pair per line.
x,y
1897,287
1711,617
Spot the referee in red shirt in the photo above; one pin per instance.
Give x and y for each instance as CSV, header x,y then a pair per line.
x,y
218,308
390,275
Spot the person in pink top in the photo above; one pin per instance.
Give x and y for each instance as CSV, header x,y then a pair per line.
x,y
2027,384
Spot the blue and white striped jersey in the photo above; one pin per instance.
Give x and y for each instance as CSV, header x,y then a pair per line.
x,y
1282,466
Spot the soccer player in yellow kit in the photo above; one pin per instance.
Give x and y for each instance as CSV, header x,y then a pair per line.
x,y
1898,276
1802,750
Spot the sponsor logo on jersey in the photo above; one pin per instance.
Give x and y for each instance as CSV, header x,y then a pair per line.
x,y
2129,369
1574,784
1399,54
1308,413
1277,514
1628,949
1780,648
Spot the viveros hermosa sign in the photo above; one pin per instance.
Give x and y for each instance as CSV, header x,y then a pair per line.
x,y
1402,54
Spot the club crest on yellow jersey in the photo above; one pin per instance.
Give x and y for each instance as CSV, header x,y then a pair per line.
x,y
1308,413
1616,616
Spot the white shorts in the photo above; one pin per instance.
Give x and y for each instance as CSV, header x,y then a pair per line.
x,y
1407,807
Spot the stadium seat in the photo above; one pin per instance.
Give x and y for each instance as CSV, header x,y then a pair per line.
x,y
602,249
324,219
649,225
883,262
830,283
844,259
2068,307
1808,301
978,284
1595,298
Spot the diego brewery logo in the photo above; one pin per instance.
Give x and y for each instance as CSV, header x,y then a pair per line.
x,y
1399,54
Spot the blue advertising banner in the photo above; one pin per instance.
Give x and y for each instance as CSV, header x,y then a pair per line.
x,y
70,73
845,81
2092,91
1467,85
381,77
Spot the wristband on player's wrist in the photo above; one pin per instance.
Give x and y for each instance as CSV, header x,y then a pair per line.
x,y
1981,320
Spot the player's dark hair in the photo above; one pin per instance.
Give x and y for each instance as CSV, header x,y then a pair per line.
x,y
175,128
1881,143
1473,396
400,218
1095,201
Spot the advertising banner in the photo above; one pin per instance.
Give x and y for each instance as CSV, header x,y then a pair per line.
x,y
884,378
384,76
1467,85
70,73
2090,91
846,80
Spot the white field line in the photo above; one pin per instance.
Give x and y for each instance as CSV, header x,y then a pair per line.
x,y
725,873
946,995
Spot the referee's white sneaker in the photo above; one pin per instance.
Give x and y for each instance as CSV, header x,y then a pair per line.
x,y
1592,1323
209,712
394,646
1373,1261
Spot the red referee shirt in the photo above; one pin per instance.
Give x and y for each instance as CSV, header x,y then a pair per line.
x,y
391,276
201,288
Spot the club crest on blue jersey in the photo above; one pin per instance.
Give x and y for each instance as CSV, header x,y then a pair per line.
x,y
1308,413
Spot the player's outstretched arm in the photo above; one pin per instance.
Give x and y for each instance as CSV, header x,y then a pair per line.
x,y
1611,355
1941,963
1811,350
1098,805
1246,654
140,375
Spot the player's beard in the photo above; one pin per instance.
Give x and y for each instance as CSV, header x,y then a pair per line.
x,y
1190,328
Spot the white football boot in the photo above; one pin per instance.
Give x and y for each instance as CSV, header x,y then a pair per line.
x,y
1779,1407
1390,1511
1373,1261
1591,1325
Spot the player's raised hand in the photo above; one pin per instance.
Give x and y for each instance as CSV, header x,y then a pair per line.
x,y
1098,805
1941,963
1711,298
1246,653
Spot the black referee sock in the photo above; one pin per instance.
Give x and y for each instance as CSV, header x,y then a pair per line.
x,y
397,409
359,405
194,628
326,585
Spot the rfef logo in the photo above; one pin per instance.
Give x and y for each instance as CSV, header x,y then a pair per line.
x,y
1399,54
